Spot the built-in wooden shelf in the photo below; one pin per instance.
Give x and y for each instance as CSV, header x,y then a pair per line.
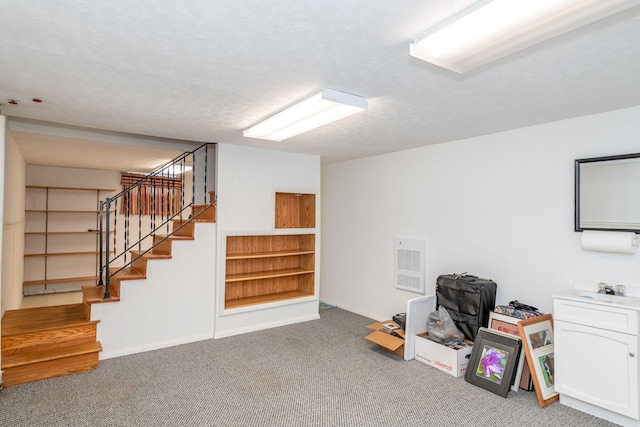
x,y
268,274
62,223
64,232
270,254
262,299
62,211
45,187
267,268
63,254
60,280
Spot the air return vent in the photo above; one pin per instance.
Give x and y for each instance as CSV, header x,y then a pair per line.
x,y
411,265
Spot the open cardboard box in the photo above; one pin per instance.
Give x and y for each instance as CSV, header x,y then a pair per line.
x,y
418,311
385,340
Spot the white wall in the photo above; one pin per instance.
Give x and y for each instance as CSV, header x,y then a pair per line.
x,y
499,206
173,305
248,179
13,224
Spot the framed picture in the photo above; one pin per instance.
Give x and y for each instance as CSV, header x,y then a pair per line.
x,y
509,325
493,361
537,340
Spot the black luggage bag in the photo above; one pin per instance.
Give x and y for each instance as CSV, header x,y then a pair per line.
x,y
468,299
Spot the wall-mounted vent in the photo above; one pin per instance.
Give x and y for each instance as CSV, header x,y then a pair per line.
x,y
411,265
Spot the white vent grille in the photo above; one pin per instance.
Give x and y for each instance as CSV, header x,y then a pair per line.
x,y
411,261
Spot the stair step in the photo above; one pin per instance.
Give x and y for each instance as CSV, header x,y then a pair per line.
x,y
50,353
128,273
33,329
50,363
42,318
95,294
172,237
150,255
183,228
204,213
140,259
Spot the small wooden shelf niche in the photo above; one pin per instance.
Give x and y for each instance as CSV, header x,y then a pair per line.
x,y
274,267
295,210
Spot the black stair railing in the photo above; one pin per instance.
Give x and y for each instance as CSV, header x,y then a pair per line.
x,y
152,204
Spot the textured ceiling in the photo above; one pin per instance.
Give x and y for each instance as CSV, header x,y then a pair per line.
x,y
204,71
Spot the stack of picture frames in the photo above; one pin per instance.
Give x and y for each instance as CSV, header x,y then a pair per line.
x,y
537,340
514,354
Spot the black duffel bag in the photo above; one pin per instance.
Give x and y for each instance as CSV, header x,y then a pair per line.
x,y
468,299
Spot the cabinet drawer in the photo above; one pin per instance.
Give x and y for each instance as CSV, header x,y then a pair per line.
x,y
596,315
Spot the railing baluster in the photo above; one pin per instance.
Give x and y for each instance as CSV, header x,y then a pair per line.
x,y
100,249
107,275
206,159
140,210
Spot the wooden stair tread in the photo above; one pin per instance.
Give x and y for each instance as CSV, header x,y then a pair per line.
x,y
174,237
54,353
95,294
150,255
204,212
181,221
127,273
43,318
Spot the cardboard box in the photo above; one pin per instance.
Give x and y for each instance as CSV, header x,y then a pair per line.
x,y
451,360
418,310
385,340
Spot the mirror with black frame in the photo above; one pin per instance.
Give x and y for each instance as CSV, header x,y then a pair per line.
x,y
607,193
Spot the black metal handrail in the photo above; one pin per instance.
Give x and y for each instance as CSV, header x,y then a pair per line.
x,y
202,174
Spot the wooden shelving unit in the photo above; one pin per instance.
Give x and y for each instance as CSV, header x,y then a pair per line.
x,y
61,238
267,268
274,267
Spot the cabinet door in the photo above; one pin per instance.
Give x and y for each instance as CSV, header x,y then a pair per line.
x,y
597,366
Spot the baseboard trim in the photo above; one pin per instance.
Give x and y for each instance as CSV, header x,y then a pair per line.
x,y
262,326
370,315
153,346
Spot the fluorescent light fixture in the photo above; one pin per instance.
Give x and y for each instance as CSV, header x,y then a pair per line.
x,y
492,29
324,107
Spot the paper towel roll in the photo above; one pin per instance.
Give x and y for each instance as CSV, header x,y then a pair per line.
x,y
609,241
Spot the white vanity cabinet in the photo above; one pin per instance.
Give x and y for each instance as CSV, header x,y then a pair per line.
x,y
596,354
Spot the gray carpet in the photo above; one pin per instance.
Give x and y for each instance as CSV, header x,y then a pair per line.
x,y
318,373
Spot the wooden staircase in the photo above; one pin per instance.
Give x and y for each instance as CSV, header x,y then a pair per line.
x,y
47,342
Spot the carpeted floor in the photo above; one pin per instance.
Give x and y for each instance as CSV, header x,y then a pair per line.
x,y
317,373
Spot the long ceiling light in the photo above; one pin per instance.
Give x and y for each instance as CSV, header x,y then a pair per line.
x,y
324,107
492,29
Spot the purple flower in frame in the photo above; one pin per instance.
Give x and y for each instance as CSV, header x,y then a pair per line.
x,y
491,363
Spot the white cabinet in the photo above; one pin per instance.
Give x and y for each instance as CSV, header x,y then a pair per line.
x,y
596,354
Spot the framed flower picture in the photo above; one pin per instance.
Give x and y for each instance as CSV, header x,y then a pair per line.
x,y
493,361
537,336
509,325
